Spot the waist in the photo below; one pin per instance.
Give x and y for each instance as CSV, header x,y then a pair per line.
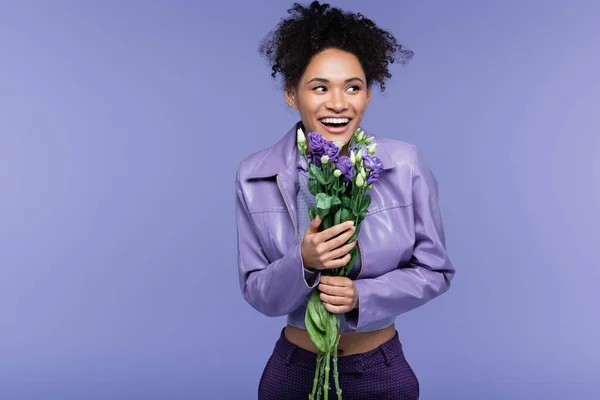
x,y
350,342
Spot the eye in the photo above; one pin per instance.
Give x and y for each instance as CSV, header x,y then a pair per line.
x,y
315,88
355,87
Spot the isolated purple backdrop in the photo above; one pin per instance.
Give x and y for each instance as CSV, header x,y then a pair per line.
x,y
121,127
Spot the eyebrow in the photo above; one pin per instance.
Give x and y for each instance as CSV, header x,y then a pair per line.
x,y
356,78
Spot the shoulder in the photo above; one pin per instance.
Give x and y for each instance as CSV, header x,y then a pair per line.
x,y
398,153
250,162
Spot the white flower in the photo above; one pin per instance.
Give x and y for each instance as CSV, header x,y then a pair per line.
x,y
325,159
359,180
372,148
353,157
300,136
337,173
361,136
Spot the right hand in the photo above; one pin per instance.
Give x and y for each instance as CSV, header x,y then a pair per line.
x,y
320,251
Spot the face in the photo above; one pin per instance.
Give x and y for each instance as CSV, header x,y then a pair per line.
x,y
333,86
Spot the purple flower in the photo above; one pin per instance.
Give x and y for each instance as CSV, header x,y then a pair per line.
x,y
332,151
373,163
345,165
372,177
316,142
314,158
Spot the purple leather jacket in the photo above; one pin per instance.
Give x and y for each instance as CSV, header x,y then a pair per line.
x,y
404,262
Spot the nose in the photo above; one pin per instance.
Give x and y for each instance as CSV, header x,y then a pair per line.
x,y
337,102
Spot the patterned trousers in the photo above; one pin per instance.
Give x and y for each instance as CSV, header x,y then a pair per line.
x,y
380,374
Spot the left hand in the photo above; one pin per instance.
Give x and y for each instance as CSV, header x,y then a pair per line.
x,y
338,294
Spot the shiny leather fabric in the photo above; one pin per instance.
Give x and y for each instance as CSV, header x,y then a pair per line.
x,y
404,262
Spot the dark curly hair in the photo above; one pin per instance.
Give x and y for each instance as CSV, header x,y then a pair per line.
x,y
310,30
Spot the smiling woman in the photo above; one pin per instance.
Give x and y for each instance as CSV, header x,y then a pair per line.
x,y
330,60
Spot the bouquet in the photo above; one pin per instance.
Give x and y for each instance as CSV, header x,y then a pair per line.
x,y
340,184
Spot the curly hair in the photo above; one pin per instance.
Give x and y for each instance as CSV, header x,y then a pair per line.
x,y
310,30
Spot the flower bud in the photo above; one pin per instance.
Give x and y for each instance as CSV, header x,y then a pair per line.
x,y
353,157
359,180
361,136
337,173
339,144
372,148
369,140
370,186
363,173
300,136
325,159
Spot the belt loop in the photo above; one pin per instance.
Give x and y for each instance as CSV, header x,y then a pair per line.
x,y
290,353
385,355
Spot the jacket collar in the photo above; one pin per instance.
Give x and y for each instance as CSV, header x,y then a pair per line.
x,y
282,155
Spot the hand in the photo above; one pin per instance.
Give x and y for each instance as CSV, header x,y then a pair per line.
x,y
321,250
338,294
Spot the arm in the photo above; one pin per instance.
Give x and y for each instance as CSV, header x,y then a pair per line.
x,y
429,272
276,288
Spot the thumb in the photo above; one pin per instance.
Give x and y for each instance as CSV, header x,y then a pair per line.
x,y
314,225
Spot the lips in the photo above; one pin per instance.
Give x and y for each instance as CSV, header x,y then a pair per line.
x,y
332,128
335,130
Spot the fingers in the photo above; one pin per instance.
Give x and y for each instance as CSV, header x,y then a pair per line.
x,y
338,241
335,300
340,251
342,281
337,309
314,225
334,231
329,263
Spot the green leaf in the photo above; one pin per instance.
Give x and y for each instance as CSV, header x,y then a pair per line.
x,y
346,216
326,224
337,219
354,205
317,337
313,187
323,201
332,330
314,315
346,202
335,201
312,213
316,172
366,202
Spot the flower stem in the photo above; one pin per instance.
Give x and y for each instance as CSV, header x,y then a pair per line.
x,y
316,380
326,386
335,370
321,375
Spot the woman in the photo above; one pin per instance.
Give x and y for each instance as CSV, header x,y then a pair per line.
x,y
329,61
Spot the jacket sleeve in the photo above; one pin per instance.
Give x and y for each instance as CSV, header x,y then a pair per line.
x,y
429,272
274,289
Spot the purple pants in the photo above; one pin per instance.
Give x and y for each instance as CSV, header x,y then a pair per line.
x,y
380,374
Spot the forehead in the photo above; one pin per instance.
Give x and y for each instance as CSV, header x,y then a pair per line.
x,y
334,65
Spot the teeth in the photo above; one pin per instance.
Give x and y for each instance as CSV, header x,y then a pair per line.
x,y
335,120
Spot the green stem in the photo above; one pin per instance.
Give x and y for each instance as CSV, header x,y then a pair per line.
x,y
321,376
338,390
316,380
326,386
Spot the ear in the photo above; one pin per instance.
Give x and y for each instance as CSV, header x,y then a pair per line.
x,y
369,95
290,96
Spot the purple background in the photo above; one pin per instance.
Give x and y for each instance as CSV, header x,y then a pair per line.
x,y
121,128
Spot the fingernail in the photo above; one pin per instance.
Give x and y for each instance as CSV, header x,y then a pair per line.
x,y
351,223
